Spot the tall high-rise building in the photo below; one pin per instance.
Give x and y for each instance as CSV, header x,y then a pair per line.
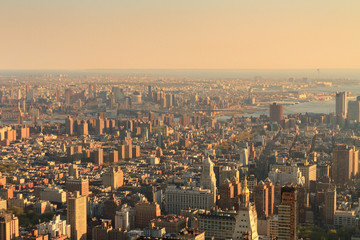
x,y
9,226
136,98
246,220
229,193
97,156
208,178
330,205
261,196
287,212
345,163
118,93
276,113
125,217
244,156
100,125
113,178
354,110
69,125
76,216
271,191
83,128
91,91
78,185
122,220
68,94
149,91
128,151
113,156
30,95
19,94
341,107
169,102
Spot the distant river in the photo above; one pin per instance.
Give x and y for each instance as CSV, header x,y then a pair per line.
x,y
308,107
311,107
30,122
325,107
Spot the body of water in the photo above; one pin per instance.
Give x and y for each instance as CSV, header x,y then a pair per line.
x,y
311,107
325,107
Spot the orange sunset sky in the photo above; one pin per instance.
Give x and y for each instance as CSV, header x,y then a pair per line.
x,y
244,34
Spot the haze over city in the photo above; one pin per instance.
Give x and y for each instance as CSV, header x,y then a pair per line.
x,y
190,120
162,34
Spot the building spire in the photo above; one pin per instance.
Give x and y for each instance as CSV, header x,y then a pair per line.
x,y
245,194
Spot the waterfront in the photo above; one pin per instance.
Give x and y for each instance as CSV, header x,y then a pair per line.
x,y
325,107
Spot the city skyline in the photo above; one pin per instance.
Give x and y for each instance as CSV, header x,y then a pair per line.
x,y
194,120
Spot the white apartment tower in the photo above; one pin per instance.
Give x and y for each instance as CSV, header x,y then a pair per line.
x,y
208,179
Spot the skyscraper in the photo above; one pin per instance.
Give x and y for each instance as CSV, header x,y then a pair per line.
x,y
76,216
118,93
97,156
69,125
341,108
83,128
149,91
244,155
122,218
19,94
68,94
30,94
330,205
271,195
287,211
345,163
27,87
78,185
113,178
354,110
276,113
169,99
229,193
91,91
262,200
9,226
100,125
208,179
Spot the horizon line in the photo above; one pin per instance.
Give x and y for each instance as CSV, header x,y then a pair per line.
x,y
109,69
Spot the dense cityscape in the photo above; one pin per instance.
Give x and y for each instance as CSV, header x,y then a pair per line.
x,y
108,156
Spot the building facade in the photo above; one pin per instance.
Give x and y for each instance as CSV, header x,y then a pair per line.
x,y
186,197
77,216
287,213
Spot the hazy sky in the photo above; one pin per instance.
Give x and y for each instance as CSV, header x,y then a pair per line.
x,y
81,34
